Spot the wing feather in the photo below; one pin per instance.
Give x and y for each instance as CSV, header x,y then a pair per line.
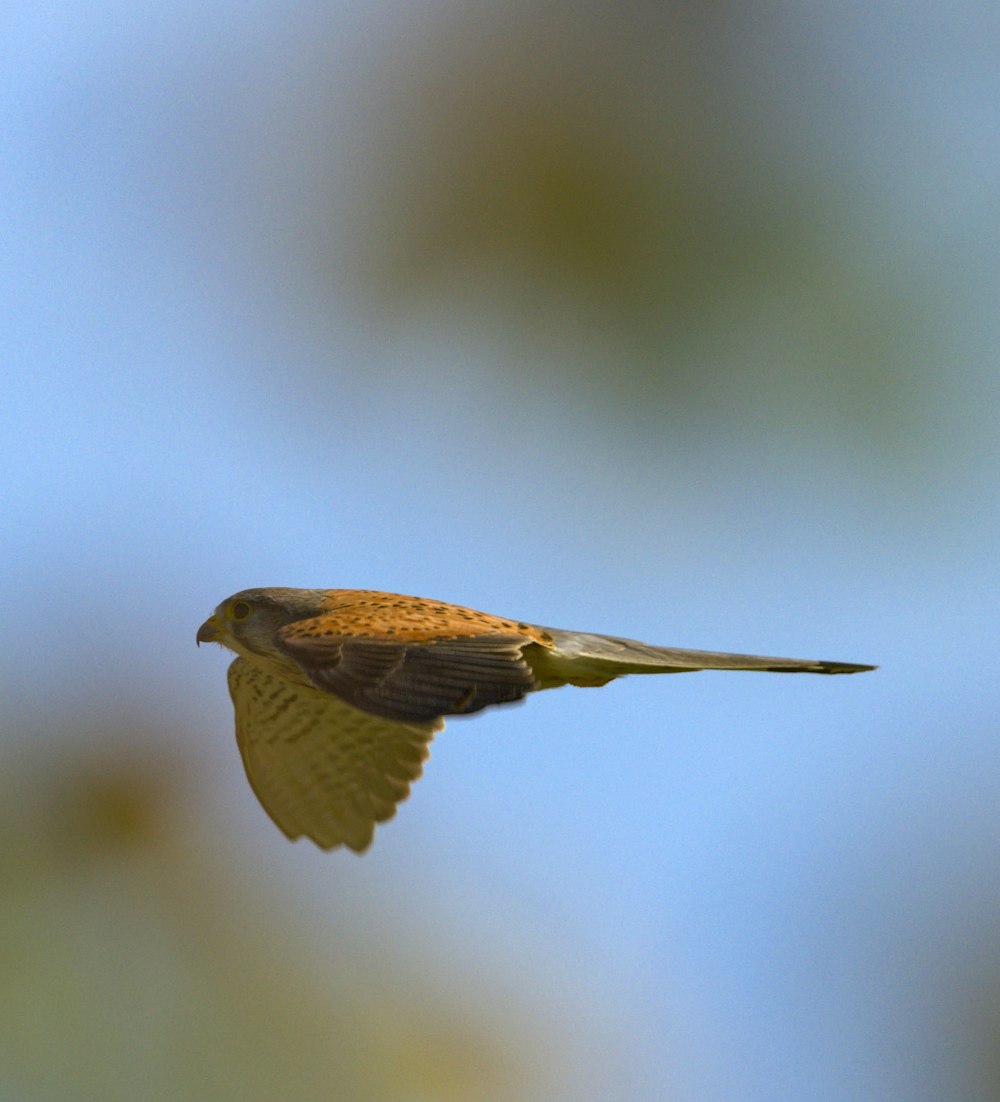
x,y
415,681
320,767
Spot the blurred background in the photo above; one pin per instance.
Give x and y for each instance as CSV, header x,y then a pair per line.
x,y
672,321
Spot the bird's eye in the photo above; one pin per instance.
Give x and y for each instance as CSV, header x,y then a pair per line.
x,y
239,610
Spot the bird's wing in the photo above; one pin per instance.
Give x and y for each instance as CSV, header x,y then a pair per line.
x,y
320,767
413,680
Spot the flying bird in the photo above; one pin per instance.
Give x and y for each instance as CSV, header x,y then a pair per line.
x,y
338,692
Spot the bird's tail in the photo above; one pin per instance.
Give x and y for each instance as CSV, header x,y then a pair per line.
x,y
580,658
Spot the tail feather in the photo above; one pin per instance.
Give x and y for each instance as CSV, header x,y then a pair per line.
x,y
580,658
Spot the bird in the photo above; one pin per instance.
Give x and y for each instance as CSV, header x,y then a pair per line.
x,y
338,692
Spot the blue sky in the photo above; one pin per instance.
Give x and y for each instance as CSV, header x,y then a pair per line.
x,y
759,888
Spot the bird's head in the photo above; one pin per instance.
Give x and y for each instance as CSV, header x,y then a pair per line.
x,y
248,622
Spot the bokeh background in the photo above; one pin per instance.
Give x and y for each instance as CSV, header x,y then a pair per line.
x,y
674,321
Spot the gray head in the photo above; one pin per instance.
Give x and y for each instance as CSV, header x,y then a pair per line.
x,y
248,622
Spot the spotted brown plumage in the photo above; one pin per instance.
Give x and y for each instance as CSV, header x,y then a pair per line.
x,y
369,612
338,692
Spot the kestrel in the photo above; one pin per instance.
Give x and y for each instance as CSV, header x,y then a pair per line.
x,y
338,692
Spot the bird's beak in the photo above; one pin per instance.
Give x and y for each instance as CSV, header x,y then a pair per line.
x,y
208,632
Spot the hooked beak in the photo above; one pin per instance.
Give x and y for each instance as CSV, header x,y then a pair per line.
x,y
208,632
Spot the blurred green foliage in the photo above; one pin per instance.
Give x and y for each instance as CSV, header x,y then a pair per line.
x,y
138,960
